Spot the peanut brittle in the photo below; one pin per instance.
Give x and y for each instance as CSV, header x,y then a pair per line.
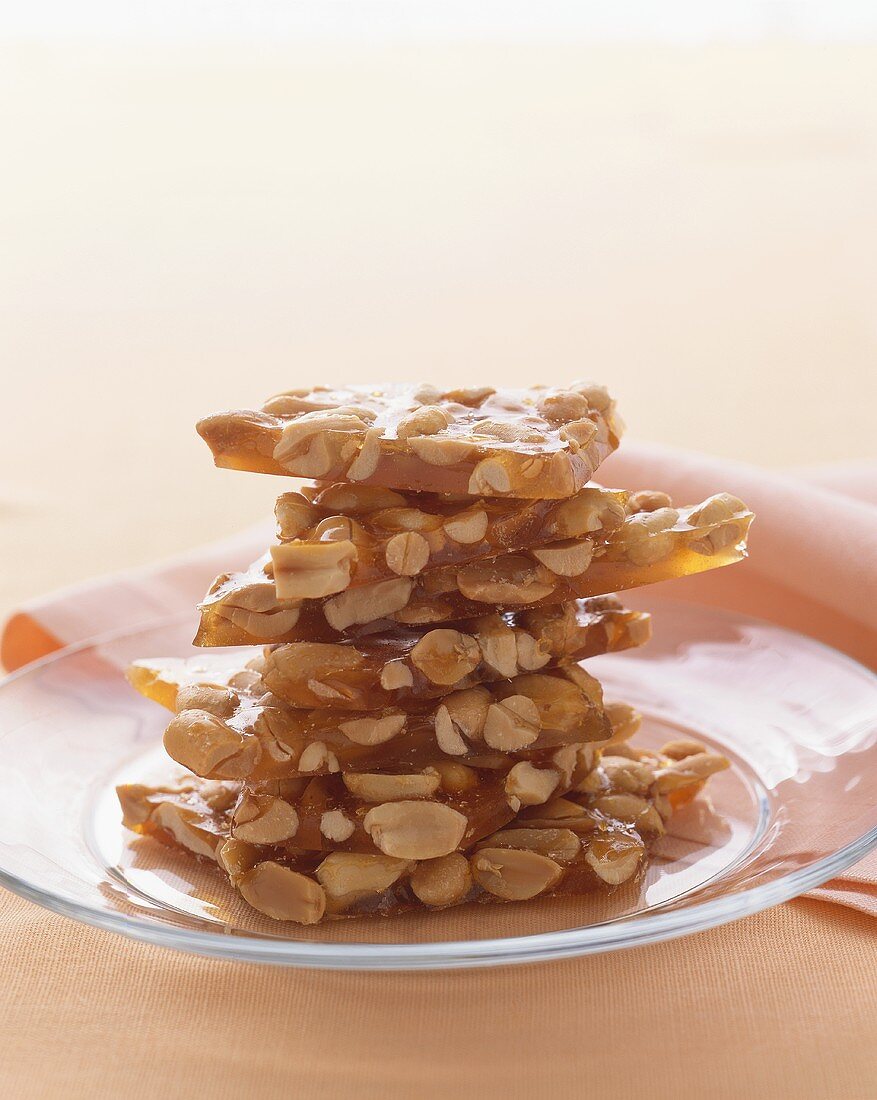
x,y
438,808
540,443
238,730
341,536
407,665
415,728
596,836
652,545
443,808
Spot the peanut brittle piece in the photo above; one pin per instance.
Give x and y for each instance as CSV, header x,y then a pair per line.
x,y
542,443
414,814
340,536
244,732
407,665
652,545
598,836
408,815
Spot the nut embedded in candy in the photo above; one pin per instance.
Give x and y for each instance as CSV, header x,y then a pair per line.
x,y
513,723
350,877
310,570
264,819
562,844
377,787
446,656
527,785
334,825
514,874
368,603
283,894
615,857
373,731
415,830
442,881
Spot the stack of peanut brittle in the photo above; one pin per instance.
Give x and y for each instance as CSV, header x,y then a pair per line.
x,y
413,725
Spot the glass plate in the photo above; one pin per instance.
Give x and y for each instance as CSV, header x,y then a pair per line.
x,y
798,721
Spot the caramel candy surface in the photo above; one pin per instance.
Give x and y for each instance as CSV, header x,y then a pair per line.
x,y
540,443
650,546
244,732
596,836
407,665
405,813
340,536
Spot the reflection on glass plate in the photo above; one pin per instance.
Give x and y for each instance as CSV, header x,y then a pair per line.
x,y
798,721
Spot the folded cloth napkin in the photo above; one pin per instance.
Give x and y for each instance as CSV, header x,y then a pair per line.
x,y
813,569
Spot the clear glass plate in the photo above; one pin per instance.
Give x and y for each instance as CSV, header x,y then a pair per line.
x,y
798,720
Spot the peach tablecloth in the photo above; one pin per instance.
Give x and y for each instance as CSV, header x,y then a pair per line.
x,y
781,1004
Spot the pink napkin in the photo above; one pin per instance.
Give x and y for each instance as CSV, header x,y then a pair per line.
x,y
813,568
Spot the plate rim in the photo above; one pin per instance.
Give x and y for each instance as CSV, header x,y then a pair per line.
x,y
626,932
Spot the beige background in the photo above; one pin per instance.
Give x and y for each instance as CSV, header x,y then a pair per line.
x,y
190,229
193,228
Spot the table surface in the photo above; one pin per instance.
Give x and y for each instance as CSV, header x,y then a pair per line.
x,y
191,230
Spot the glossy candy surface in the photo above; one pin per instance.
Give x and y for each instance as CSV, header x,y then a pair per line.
x,y
650,546
340,536
596,836
539,443
405,666
235,729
